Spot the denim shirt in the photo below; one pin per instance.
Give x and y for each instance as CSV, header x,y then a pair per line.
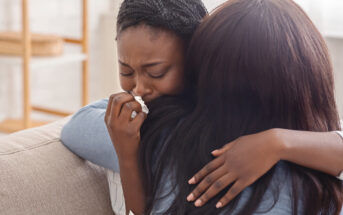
x,y
86,135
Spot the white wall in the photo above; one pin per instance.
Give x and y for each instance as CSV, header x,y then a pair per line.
x,y
336,51
212,4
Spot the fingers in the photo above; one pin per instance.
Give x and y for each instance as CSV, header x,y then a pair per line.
x,y
206,170
138,120
116,102
108,109
220,151
236,189
128,108
206,183
114,107
215,188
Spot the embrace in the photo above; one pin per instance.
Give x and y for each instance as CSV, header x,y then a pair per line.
x,y
242,117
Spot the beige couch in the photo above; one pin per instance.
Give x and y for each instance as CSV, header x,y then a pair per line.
x,y
40,176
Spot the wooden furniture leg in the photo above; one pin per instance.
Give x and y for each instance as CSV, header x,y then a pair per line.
x,y
85,50
27,109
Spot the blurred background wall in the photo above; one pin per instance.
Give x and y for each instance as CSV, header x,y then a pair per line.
x,y
59,86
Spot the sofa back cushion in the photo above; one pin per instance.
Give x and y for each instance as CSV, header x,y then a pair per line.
x,y
38,175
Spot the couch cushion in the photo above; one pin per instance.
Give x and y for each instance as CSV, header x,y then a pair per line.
x,y
41,176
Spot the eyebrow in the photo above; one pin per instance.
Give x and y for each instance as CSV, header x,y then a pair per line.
x,y
144,66
152,64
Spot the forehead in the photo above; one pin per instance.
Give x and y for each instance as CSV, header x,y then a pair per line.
x,y
142,43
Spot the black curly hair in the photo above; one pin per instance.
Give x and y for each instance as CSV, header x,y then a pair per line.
x,y
179,16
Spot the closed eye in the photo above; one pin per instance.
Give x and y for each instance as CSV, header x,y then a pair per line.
x,y
126,74
157,76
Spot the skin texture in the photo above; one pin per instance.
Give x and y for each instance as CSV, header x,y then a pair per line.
x,y
151,62
151,65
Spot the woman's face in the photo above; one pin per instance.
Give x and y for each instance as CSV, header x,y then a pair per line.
x,y
151,62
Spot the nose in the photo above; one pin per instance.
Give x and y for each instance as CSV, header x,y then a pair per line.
x,y
142,87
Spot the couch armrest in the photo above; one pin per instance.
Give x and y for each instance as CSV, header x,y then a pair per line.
x,y
31,138
39,175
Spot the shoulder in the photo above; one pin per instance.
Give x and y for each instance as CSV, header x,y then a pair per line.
x,y
277,199
88,114
95,107
86,135
281,182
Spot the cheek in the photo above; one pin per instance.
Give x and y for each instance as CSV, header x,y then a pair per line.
x,y
171,86
126,83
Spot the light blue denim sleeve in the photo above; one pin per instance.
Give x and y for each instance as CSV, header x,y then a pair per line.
x,y
86,135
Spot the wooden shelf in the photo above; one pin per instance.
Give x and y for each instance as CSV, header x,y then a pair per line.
x,y
27,62
13,125
38,62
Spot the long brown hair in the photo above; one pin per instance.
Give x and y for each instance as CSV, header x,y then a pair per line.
x,y
253,65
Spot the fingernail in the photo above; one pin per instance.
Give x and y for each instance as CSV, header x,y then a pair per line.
x,y
191,181
215,151
190,197
197,203
219,205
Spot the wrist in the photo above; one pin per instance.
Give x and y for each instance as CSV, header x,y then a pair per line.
x,y
128,161
279,142
130,166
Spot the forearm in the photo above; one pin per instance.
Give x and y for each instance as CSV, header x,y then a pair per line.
x,y
132,187
322,151
86,135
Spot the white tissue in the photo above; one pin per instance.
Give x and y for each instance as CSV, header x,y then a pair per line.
x,y
144,107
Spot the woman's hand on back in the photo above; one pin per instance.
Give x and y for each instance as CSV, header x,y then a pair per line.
x,y
238,164
124,130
